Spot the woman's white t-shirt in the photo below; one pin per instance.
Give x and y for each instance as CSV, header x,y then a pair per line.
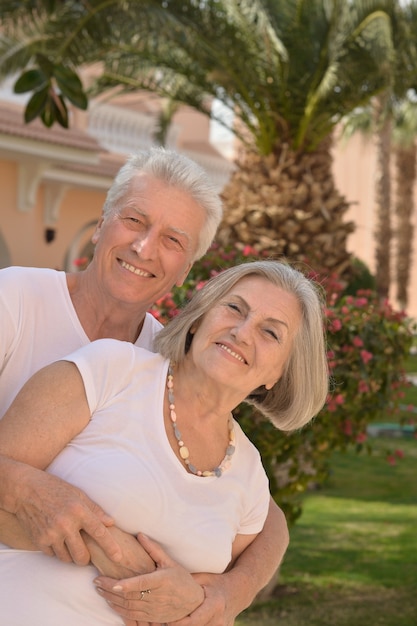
x,y
124,462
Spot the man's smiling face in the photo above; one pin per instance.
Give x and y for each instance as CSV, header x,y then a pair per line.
x,y
147,244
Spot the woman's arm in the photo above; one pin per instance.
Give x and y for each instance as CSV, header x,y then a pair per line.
x,y
48,412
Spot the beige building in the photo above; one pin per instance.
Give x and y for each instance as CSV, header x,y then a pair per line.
x,y
355,168
54,181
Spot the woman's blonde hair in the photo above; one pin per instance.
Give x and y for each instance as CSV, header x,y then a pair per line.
x,y
301,391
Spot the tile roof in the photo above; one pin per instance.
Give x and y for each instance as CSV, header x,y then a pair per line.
x,y
12,123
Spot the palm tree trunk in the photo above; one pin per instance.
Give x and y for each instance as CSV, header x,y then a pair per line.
x,y
405,162
286,204
383,232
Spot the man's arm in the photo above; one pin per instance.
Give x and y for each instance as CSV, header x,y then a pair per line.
x,y
47,513
228,594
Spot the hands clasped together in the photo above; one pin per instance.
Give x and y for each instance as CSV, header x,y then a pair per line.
x,y
137,578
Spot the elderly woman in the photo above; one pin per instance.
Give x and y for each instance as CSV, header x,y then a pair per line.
x,y
151,437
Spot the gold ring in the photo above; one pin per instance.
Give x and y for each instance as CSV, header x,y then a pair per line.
x,y
142,593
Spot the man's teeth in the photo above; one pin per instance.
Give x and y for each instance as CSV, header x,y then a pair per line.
x,y
234,354
134,270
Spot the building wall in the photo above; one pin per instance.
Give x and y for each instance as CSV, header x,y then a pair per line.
x,y
355,170
24,232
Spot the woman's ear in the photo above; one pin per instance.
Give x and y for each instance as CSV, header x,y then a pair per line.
x,y
269,386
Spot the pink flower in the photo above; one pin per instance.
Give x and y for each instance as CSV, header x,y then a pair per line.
x,y
347,427
249,251
363,386
81,261
334,401
391,459
357,341
366,356
155,313
361,302
399,453
361,437
339,399
336,325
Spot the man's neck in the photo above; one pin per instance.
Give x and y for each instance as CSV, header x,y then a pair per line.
x,y
100,318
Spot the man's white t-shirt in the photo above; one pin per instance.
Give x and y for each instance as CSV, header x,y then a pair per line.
x,y
39,325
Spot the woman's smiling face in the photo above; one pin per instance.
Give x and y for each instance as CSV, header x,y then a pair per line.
x,y
245,340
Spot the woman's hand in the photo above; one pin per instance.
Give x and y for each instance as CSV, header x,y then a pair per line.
x,y
165,595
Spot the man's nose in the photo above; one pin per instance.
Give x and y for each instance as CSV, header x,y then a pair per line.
x,y
145,244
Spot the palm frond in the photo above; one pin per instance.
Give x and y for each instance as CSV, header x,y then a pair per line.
x,y
289,69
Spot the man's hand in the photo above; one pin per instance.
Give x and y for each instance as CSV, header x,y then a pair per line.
x,y
53,512
135,559
166,595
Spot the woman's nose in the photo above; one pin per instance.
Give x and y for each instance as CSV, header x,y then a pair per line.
x,y
243,331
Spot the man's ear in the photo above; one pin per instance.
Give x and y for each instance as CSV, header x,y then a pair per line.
x,y
96,234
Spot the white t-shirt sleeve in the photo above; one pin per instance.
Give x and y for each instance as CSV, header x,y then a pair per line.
x,y
105,366
257,505
150,328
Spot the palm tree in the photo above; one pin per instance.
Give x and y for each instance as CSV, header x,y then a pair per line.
x,y
289,70
391,118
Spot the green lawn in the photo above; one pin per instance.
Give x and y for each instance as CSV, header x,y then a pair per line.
x,y
352,559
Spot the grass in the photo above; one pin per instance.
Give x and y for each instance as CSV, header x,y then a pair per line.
x,y
352,559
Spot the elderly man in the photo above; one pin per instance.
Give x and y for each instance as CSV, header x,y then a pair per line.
x,y
160,215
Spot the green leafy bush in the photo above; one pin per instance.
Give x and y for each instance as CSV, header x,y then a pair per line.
x,y
368,343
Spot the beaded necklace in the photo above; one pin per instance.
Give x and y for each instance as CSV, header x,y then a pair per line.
x,y
183,450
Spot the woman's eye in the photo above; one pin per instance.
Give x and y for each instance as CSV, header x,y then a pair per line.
x,y
233,306
272,334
